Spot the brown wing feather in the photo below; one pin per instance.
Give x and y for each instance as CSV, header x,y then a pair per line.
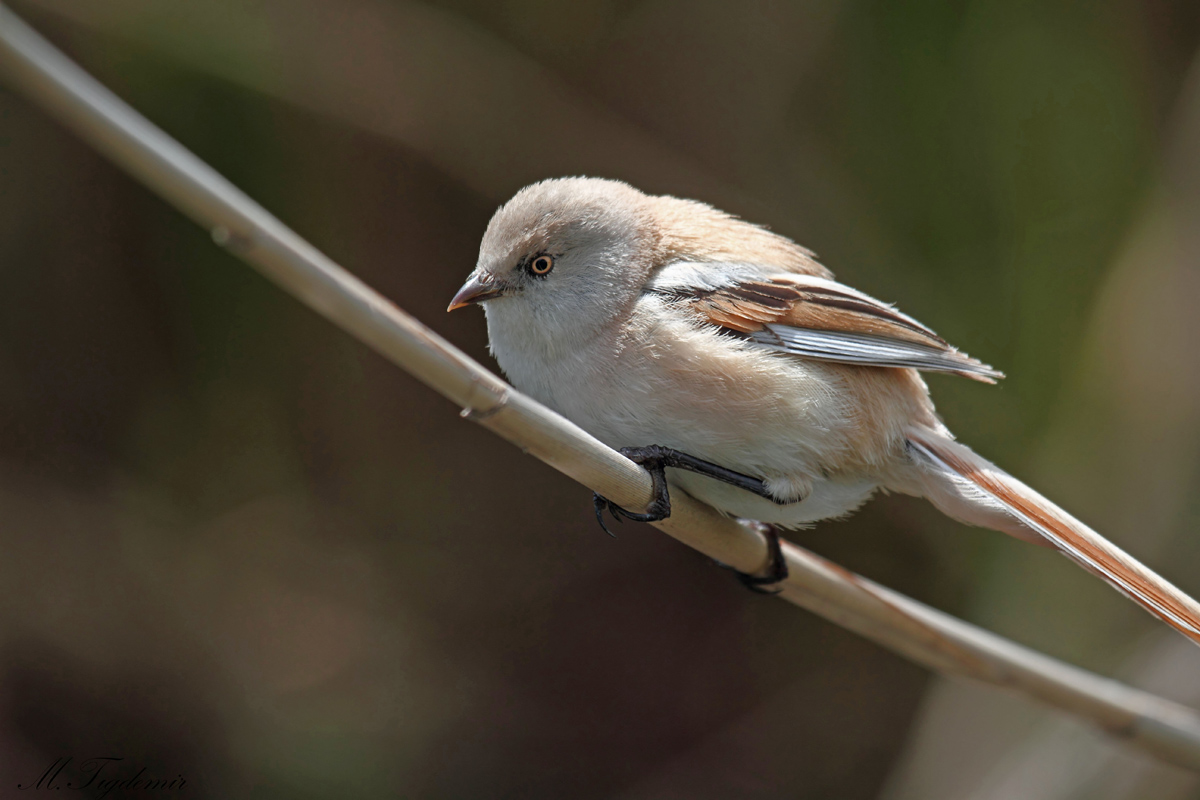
x,y
749,306
794,301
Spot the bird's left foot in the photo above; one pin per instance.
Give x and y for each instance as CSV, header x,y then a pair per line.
x,y
655,459
650,459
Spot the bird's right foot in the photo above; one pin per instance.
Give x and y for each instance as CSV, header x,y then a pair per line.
x,y
777,568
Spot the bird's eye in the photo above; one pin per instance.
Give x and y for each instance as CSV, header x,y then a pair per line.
x,y
541,265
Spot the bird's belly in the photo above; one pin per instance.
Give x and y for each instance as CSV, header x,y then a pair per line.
x,y
830,497
742,409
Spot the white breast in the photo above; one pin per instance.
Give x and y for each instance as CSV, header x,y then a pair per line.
x,y
665,380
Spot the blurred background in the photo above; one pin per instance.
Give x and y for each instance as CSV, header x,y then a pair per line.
x,y
241,548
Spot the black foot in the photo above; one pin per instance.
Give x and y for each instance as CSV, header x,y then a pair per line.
x,y
777,569
656,455
660,506
655,459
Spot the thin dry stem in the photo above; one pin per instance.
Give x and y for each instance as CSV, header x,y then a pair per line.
x,y
1164,729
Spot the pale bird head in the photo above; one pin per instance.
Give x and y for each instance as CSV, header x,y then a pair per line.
x,y
559,241
565,257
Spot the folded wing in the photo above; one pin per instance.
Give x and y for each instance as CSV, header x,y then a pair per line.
x,y
816,318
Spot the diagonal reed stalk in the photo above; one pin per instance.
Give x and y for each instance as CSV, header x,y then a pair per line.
x,y
1164,729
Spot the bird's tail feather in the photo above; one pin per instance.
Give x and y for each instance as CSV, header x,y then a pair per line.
x,y
973,490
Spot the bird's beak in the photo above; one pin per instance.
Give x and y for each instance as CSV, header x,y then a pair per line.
x,y
477,289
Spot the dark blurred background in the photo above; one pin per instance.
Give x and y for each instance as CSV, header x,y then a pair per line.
x,y
237,546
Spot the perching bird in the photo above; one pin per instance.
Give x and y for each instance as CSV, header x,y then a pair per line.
x,y
692,339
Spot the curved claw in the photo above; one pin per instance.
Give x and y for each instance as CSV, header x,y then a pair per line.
x,y
757,584
777,568
654,459
659,508
600,502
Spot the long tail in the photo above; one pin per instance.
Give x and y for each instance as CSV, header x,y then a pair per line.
x,y
975,491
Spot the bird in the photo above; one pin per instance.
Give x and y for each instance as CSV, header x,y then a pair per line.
x,y
697,342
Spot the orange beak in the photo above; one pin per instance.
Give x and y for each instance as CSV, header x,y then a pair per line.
x,y
475,290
